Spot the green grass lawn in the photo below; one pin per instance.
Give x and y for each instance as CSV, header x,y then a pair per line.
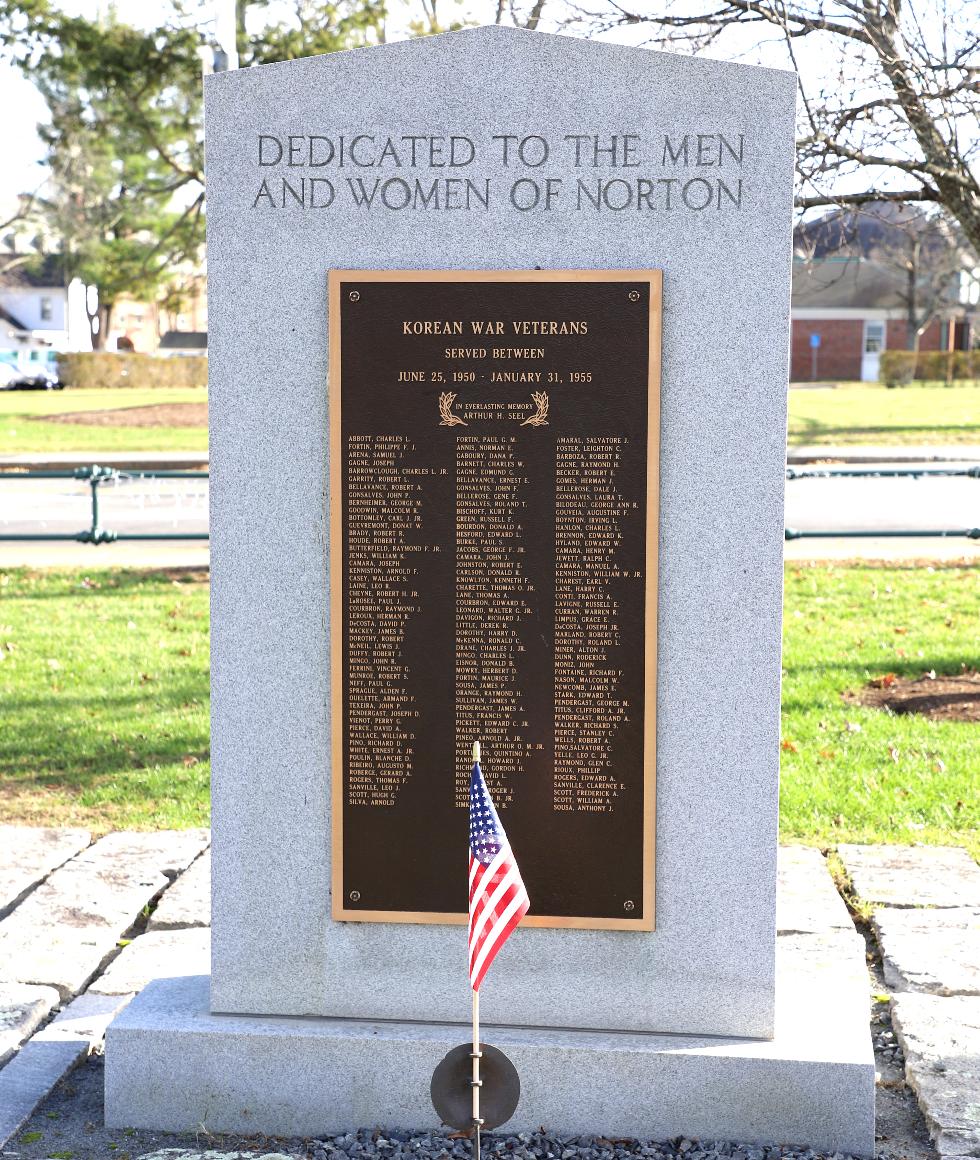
x,y
863,775
22,426
852,413
104,688
104,695
871,413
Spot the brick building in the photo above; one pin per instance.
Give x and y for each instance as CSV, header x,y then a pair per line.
x,y
850,295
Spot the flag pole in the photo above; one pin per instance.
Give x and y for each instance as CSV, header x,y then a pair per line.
x,y
476,1083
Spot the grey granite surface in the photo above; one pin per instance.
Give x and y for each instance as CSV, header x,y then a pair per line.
x,y
708,968
172,1065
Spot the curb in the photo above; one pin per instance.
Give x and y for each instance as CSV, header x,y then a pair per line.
x,y
967,453
48,1056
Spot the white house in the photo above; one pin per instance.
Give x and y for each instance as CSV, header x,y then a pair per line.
x,y
38,313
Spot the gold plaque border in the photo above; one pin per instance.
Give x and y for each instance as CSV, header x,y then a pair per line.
x,y
654,278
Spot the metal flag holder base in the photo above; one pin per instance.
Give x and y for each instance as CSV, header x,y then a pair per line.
x,y
452,1087
475,1087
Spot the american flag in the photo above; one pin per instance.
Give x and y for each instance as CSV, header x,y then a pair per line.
x,y
498,900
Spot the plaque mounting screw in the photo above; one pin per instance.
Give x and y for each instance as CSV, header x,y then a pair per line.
x,y
634,296
628,904
355,896
354,296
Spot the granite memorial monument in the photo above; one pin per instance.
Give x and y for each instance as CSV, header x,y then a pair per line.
x,y
560,528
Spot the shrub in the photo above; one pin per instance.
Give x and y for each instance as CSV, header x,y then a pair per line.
x,y
899,368
896,368
966,364
934,366
87,369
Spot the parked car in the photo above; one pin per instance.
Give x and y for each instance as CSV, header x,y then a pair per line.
x,y
37,376
8,375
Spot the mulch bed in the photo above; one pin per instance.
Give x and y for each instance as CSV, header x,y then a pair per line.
x,y
941,696
155,415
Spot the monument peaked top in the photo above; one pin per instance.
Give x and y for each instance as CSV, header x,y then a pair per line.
x,y
489,38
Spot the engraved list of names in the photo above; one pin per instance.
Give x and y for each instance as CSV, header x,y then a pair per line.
x,y
494,444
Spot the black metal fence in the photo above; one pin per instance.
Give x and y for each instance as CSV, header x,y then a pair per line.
x,y
96,477
882,473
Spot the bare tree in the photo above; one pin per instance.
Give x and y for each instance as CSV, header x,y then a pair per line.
x,y
12,251
908,255
895,118
521,15
929,261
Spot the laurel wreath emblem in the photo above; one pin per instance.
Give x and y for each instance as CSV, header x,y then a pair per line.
x,y
448,419
540,416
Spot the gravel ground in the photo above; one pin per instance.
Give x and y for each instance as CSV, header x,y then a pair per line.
x,y
900,1130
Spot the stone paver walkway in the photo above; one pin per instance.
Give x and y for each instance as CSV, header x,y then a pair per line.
x,y
71,907
63,931
912,875
28,854
85,925
941,1040
937,951
188,902
927,924
22,1009
807,901
157,954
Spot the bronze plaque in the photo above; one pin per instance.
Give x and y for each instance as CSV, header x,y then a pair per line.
x,y
494,477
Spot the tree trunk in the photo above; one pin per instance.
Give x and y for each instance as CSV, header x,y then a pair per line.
x,y
911,305
106,313
241,34
102,315
94,325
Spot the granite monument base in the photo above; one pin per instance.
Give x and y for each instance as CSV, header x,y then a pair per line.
x,y
172,1065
